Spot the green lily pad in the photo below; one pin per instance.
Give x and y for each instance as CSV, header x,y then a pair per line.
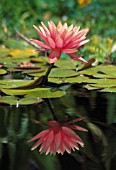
x,y
18,53
12,100
37,92
58,72
108,70
66,63
2,71
13,83
76,79
101,71
29,100
108,84
8,100
110,89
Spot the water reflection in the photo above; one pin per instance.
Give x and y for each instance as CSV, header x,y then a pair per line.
x,y
16,128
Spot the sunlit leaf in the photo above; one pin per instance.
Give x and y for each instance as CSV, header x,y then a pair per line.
x,y
66,63
17,53
110,89
29,100
62,73
12,100
2,71
13,83
37,92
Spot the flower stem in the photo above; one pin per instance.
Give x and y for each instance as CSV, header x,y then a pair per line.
x,y
45,80
49,69
51,109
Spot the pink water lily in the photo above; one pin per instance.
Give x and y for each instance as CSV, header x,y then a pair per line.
x,y
58,138
61,38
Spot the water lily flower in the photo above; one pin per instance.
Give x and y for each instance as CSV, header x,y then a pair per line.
x,y
61,38
58,138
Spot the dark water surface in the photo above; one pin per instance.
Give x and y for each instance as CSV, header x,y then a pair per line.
x,y
99,153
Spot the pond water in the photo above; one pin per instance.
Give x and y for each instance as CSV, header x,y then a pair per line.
x,y
17,127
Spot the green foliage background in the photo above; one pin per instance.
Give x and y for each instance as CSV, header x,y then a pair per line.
x,y
99,15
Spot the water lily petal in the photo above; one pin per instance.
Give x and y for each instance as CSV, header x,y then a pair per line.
x,y
59,42
40,43
54,55
68,51
76,57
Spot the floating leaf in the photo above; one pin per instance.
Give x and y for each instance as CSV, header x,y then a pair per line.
x,y
76,79
62,73
12,100
13,83
22,53
110,89
37,92
8,100
66,63
2,71
29,100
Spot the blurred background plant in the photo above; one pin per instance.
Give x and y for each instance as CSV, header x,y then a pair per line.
x,y
21,15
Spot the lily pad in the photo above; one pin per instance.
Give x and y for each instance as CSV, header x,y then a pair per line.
x,y
37,92
76,79
101,71
66,63
2,71
18,53
13,83
108,85
56,72
110,89
12,100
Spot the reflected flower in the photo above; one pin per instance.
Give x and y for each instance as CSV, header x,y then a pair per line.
x,y
61,38
58,138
